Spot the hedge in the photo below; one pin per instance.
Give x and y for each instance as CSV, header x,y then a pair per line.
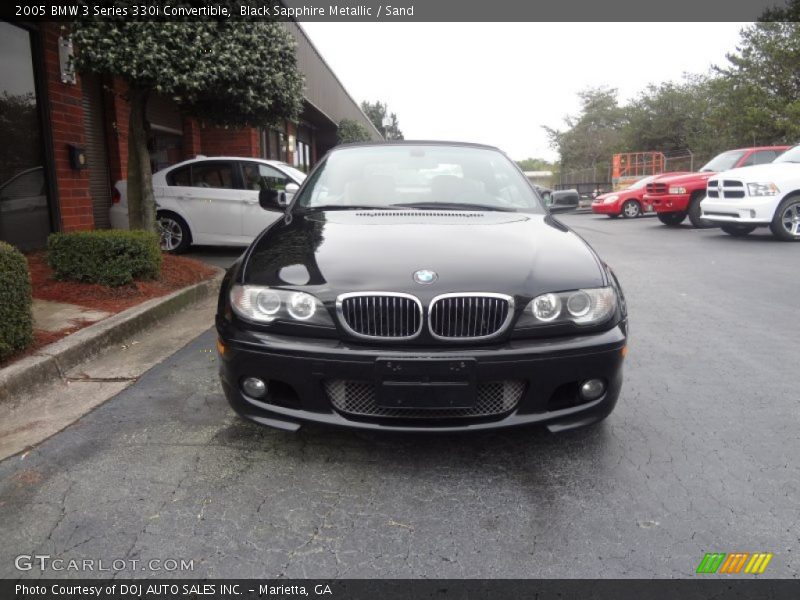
x,y
111,257
16,319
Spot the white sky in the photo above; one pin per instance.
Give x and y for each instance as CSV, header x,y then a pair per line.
x,y
497,83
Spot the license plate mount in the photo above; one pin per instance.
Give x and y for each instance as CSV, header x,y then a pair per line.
x,y
430,383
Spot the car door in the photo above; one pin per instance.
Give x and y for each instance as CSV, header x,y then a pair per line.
x,y
257,176
212,202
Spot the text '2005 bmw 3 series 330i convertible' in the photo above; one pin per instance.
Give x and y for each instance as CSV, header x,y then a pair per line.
x,y
420,286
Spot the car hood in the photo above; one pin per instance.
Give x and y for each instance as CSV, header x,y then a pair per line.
x,y
764,173
678,178
334,252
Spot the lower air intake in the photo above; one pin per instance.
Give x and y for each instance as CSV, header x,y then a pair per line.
x,y
357,398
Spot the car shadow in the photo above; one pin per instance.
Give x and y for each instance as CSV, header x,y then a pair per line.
x,y
761,235
534,462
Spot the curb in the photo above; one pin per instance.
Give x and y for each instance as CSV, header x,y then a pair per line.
x,y
52,361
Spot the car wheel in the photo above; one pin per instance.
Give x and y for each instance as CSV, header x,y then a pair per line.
x,y
695,211
631,209
737,230
672,219
786,222
174,233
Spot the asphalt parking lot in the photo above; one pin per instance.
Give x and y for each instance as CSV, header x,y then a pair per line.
x,y
701,455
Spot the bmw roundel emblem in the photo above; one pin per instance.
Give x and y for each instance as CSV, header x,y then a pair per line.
x,y
425,276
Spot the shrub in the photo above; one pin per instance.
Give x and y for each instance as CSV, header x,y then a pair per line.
x,y
108,257
16,320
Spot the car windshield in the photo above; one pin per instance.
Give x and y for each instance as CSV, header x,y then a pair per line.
x,y
792,155
724,161
641,183
419,176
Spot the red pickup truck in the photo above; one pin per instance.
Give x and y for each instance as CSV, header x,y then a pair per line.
x,y
673,196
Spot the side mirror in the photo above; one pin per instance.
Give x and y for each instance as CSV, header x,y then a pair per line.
x,y
291,189
270,199
564,201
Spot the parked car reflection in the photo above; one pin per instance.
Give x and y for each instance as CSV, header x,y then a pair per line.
x,y
24,219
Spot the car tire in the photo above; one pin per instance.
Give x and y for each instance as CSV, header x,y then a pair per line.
x,y
695,211
631,209
672,219
174,234
737,230
786,221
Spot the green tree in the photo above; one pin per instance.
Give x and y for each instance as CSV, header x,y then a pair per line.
x,y
763,81
535,164
673,117
789,12
377,112
594,134
225,72
352,131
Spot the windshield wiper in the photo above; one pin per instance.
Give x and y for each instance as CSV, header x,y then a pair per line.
x,y
345,207
452,206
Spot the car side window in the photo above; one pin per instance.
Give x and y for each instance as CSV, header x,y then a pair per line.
x,y
760,158
218,175
258,177
179,177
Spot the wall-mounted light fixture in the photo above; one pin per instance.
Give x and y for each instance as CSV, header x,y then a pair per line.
x,y
77,157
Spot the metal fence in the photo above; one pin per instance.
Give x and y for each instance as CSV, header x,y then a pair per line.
x,y
592,181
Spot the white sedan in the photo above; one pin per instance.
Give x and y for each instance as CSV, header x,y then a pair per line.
x,y
759,196
212,200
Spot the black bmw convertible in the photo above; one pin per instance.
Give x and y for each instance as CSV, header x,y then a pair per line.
x,y
419,286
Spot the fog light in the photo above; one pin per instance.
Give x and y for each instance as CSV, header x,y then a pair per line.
x,y
254,387
592,389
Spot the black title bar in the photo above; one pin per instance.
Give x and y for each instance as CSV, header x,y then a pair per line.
x,y
397,11
394,589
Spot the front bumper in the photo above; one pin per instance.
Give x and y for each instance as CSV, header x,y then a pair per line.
x,y
299,372
599,208
662,203
751,210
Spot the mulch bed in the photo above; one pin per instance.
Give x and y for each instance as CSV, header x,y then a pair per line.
x,y
176,272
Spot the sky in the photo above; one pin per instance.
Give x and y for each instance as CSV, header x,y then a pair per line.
x,y
498,83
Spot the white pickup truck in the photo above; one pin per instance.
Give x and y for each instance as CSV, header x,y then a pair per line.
x,y
759,196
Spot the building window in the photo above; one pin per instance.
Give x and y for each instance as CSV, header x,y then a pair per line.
x,y
24,207
272,144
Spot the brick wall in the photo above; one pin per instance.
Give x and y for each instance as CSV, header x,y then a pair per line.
x,y
66,117
219,141
192,140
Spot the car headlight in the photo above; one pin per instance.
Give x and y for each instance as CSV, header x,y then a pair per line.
x,y
677,189
582,307
762,189
611,198
265,305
